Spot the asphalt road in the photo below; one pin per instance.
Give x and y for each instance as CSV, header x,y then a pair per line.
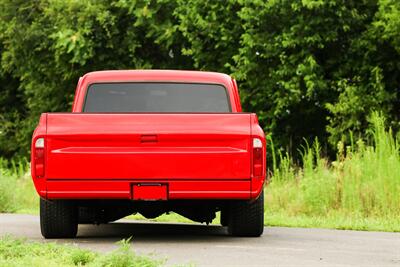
x,y
211,246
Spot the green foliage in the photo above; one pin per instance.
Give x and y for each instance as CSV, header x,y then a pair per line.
x,y
124,257
312,65
17,192
308,68
47,45
18,252
359,190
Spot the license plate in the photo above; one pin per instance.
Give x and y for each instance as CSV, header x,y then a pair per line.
x,y
150,192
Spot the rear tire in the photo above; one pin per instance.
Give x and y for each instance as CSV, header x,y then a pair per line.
x,y
247,217
58,219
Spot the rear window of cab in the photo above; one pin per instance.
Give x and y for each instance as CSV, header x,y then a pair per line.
x,y
156,97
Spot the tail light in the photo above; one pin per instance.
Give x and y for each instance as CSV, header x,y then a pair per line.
x,y
39,157
257,157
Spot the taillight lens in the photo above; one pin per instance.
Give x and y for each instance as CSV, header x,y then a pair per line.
x,y
39,157
257,157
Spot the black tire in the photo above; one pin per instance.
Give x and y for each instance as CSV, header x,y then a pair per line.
x,y
247,217
58,219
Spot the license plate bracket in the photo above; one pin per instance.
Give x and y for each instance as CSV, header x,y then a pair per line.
x,y
149,191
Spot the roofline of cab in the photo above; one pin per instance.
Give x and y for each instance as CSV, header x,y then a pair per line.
x,y
178,76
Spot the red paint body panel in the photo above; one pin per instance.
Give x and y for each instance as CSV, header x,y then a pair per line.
x,y
121,189
194,155
188,146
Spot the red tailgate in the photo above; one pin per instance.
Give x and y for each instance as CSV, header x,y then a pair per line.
x,y
148,146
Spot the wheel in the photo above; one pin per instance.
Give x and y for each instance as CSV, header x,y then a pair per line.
x,y
58,219
224,217
247,217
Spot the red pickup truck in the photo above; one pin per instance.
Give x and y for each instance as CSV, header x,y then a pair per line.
x,y
150,142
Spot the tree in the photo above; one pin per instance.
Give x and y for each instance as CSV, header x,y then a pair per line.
x,y
48,45
308,68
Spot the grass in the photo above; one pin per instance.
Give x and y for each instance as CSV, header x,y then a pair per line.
x,y
17,193
19,252
333,221
360,190
171,217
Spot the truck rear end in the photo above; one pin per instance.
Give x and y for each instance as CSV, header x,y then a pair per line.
x,y
150,143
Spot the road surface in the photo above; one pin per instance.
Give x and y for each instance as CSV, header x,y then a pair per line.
x,y
211,246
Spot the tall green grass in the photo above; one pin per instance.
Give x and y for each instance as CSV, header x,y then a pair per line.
x,y
17,193
359,190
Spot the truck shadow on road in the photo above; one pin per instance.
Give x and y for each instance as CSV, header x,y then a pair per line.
x,y
152,231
